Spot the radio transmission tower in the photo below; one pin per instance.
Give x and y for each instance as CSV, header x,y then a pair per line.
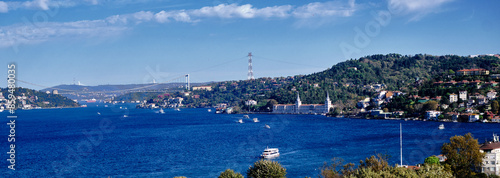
x,y
250,71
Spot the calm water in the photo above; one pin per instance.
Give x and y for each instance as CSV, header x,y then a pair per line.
x,y
79,142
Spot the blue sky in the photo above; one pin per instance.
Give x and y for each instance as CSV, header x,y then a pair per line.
x,y
120,42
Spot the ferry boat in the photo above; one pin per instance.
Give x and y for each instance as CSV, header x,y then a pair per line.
x,y
270,153
93,100
441,127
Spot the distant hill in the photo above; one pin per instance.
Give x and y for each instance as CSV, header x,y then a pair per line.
x,y
102,92
27,98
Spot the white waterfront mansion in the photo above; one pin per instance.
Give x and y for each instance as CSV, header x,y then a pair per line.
x,y
299,108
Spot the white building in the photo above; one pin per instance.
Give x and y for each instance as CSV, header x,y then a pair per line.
x,y
251,103
491,162
299,108
453,98
462,95
473,118
491,95
432,115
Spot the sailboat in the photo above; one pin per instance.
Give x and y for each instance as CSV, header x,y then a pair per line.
x,y
401,145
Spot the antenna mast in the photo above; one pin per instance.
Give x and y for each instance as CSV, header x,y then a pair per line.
x,y
250,71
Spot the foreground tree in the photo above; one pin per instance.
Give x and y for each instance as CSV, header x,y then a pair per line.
x,y
229,173
431,160
463,155
266,169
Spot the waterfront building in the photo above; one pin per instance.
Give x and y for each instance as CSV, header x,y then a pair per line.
x,y
491,162
432,115
299,108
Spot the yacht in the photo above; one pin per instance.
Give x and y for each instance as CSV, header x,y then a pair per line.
x,y
441,127
161,111
246,117
177,109
98,113
270,153
240,121
209,110
125,115
255,120
267,126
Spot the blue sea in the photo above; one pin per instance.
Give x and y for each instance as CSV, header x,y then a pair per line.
x,y
100,141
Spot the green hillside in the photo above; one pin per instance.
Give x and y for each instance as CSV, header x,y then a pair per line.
x,y
346,82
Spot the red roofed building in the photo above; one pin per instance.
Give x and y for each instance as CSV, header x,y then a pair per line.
x,y
492,159
473,72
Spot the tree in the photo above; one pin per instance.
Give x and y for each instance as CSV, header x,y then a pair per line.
x,y
265,169
495,107
431,160
430,105
375,163
229,173
463,155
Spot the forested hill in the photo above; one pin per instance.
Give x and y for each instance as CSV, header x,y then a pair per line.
x,y
348,81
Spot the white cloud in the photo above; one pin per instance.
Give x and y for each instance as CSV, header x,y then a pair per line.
x,y
37,4
325,9
418,8
226,11
15,35
19,34
4,8
275,11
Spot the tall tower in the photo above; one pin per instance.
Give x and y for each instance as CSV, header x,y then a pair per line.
x,y
328,103
297,104
250,71
187,81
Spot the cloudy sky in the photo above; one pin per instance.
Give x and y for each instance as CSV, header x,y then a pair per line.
x,y
124,41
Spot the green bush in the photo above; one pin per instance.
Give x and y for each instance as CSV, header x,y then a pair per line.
x,y
266,169
228,173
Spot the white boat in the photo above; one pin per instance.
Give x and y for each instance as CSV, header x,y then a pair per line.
x,y
98,113
240,121
270,153
125,115
161,111
1,109
267,126
246,117
209,110
441,127
255,120
177,109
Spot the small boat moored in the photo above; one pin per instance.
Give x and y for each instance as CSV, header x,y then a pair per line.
x,y
270,153
161,111
441,127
